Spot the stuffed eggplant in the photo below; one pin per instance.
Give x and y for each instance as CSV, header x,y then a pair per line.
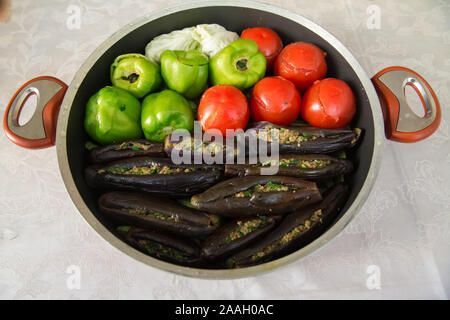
x,y
258,195
140,209
126,149
304,140
154,175
196,149
296,230
308,166
236,235
163,246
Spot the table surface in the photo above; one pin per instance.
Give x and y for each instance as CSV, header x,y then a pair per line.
x,y
401,237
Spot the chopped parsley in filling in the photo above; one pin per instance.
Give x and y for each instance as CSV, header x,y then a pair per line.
x,y
132,145
268,187
303,163
291,235
156,215
285,136
245,228
157,249
146,170
192,144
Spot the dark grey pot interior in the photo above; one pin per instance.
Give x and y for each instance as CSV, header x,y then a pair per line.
x,y
235,19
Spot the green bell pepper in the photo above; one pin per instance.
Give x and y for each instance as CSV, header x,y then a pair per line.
x,y
135,73
112,115
240,64
163,112
185,72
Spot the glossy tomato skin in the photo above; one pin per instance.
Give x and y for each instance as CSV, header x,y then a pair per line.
x,y
269,43
302,63
329,103
276,100
223,107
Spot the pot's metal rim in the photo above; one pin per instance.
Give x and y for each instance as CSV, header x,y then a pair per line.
x,y
222,273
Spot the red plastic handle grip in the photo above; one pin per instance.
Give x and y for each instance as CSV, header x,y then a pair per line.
x,y
40,131
401,124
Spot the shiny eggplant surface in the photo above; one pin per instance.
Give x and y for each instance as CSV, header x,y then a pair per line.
x,y
305,140
153,175
296,230
164,246
251,196
237,235
308,166
126,149
141,209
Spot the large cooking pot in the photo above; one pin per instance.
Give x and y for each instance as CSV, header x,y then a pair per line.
x,y
383,96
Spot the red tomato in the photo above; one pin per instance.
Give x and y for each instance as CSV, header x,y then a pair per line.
x,y
223,107
328,103
302,63
269,43
276,100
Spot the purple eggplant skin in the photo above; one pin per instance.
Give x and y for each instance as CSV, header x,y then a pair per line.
x,y
335,167
220,198
295,231
127,149
162,214
317,140
178,184
164,246
183,145
223,241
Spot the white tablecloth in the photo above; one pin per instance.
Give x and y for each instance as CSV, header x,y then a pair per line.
x,y
402,234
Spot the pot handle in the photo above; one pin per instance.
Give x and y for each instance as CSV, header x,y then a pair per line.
x,y
40,131
400,122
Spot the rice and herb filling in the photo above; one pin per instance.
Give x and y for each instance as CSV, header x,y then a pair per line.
x,y
245,228
146,170
157,249
291,235
284,136
156,215
267,187
303,163
133,145
192,144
